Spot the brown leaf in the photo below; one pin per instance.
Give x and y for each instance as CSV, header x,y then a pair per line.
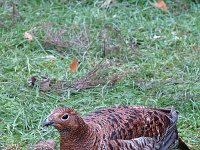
x,y
161,4
28,36
44,145
74,66
45,83
31,81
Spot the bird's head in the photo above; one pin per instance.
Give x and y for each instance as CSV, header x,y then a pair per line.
x,y
64,119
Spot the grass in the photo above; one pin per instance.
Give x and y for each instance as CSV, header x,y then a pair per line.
x,y
167,55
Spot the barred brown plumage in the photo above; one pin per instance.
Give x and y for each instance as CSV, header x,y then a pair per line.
x,y
116,128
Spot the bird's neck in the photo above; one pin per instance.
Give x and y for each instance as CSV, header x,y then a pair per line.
x,y
86,137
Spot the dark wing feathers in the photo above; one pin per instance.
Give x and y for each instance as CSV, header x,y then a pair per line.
x,y
148,143
130,122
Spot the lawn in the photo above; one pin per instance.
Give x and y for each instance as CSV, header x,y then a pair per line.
x,y
159,50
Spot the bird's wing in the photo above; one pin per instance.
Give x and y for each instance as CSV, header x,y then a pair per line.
x,y
148,143
130,122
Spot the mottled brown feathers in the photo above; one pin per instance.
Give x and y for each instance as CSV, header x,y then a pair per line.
x,y
116,128
64,109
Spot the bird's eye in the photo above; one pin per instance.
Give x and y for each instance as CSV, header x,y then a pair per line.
x,y
65,117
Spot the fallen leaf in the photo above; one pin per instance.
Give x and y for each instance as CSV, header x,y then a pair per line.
x,y
45,83
42,82
31,81
160,4
74,66
28,36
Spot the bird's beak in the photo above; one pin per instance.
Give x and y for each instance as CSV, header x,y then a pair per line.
x,y
47,123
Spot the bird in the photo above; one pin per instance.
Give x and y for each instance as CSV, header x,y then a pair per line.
x,y
117,128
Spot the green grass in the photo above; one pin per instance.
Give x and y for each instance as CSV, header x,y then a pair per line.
x,y
168,74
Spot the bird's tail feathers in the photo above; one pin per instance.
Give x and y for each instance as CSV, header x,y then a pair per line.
x,y
170,135
180,143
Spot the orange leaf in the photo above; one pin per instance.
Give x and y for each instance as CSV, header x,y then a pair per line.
x,y
161,4
74,65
